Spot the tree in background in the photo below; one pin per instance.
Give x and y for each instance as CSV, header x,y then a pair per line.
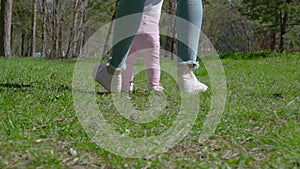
x,y
273,19
226,28
71,51
62,27
33,26
5,28
43,14
21,28
169,43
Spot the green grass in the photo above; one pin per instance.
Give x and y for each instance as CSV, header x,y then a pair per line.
x,y
260,127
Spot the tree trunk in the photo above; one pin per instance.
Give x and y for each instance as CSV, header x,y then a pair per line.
x,y
55,31
273,41
171,42
34,6
59,41
23,45
73,32
44,29
5,28
82,26
59,20
106,46
283,26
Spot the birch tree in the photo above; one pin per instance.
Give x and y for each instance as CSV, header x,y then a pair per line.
x,y
34,9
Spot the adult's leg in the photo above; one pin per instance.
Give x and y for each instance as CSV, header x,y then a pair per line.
x,y
189,30
123,28
124,31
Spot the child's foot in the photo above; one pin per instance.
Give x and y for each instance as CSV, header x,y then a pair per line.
x,y
156,87
188,82
111,81
127,88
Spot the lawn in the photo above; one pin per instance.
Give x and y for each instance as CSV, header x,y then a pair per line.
x,y
260,127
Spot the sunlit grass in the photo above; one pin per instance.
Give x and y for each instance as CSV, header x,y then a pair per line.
x,y
260,127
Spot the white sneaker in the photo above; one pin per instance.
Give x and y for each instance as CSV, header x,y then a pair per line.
x,y
112,83
188,82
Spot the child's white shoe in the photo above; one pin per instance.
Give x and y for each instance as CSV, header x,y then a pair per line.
x,y
156,87
111,82
187,81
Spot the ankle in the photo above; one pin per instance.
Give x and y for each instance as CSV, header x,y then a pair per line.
x,y
184,69
112,71
186,66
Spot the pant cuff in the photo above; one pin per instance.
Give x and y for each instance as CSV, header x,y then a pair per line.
x,y
195,65
119,68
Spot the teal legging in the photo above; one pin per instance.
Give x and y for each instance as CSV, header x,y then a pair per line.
x,y
188,29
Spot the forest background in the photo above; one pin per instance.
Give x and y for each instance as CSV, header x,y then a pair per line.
x,y
56,29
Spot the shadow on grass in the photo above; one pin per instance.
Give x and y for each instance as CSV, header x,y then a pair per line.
x,y
15,85
102,93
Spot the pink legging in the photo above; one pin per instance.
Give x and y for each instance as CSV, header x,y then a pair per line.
x,y
145,43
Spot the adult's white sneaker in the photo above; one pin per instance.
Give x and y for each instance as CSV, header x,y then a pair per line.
x,y
111,82
188,82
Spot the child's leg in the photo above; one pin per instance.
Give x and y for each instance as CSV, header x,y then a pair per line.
x,y
152,62
151,53
128,73
151,58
